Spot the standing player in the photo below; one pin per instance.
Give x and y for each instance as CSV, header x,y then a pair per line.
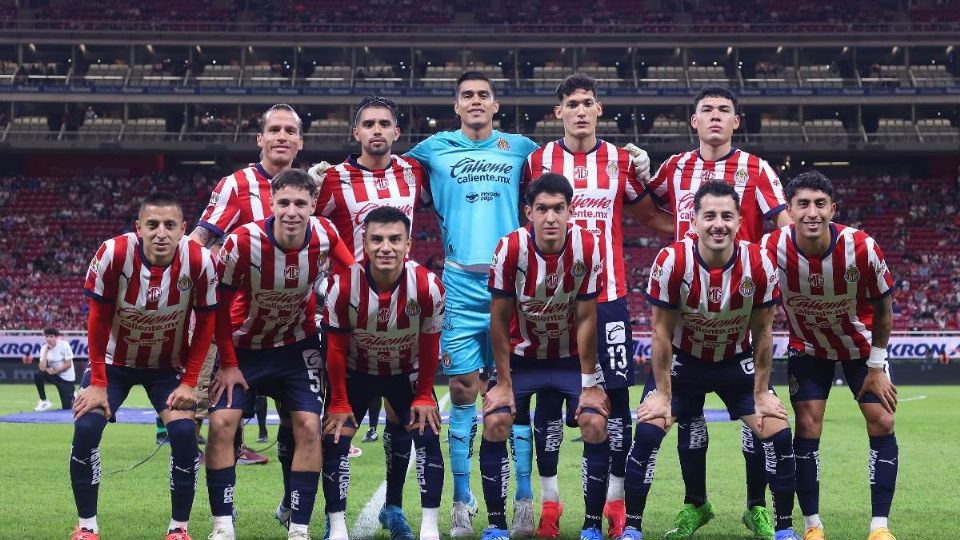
x,y
761,197
475,177
268,340
143,289
711,294
836,289
383,317
348,193
56,368
544,281
240,198
604,185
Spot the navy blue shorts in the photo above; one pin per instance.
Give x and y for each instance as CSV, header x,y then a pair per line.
x,y
615,344
399,391
159,384
811,378
551,380
692,379
291,375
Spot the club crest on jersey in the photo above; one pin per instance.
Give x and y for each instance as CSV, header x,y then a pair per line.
x,y
445,359
852,275
715,294
553,279
815,280
503,144
579,269
383,315
292,271
747,288
580,173
794,385
409,177
184,283
154,293
612,169
412,309
741,176
493,263
322,262
381,183
706,175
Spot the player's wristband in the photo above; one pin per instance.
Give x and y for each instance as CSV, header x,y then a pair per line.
x,y
878,358
588,380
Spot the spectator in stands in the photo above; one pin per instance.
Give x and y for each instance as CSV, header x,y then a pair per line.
x,y
56,368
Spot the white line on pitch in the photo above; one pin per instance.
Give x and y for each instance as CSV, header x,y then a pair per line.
x,y
915,398
369,519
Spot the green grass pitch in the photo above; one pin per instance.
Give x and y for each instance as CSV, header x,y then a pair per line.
x,y
36,501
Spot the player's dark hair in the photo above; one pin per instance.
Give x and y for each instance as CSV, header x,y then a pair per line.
x,y
294,178
474,76
51,331
280,107
717,189
717,92
161,198
551,183
813,180
577,81
375,101
385,215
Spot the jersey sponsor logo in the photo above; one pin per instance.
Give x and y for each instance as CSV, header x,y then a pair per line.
x,y
700,323
412,309
484,196
815,280
613,170
383,344
184,283
473,170
579,269
852,275
557,308
685,207
580,173
140,341
154,293
657,272
747,288
583,208
381,183
93,266
139,321
882,269
706,175
813,307
503,144
741,176
214,198
383,315
553,280
550,333
312,358
279,300
715,294
369,207
292,271
409,177
616,332
493,262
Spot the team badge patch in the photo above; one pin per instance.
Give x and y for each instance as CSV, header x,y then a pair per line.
x,y
503,144
214,198
445,359
93,265
815,280
657,272
493,262
412,309
292,271
153,294
612,169
409,177
322,262
852,275
184,283
715,295
794,385
579,269
741,176
747,288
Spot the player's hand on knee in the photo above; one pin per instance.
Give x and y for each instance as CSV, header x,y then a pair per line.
x,y
423,414
90,399
499,397
182,398
655,406
879,384
318,170
334,423
768,405
225,380
593,398
640,161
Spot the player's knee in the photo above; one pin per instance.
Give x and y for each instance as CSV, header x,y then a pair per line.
x,y
496,426
182,432
809,424
879,423
593,427
464,388
306,427
222,426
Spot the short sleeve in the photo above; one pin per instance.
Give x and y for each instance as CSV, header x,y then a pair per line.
x,y
633,190
663,289
595,280
422,152
432,321
101,283
769,191
221,212
336,316
67,351
659,185
230,270
768,286
326,202
879,278
205,293
503,270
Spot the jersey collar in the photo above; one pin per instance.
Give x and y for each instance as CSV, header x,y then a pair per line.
x,y
730,263
352,161
268,225
261,170
536,248
833,241
146,263
724,158
594,149
373,285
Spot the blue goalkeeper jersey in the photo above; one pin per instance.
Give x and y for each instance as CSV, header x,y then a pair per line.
x,y
475,186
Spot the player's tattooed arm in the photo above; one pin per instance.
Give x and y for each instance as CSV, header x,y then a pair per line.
x,y
202,236
501,395
878,380
656,406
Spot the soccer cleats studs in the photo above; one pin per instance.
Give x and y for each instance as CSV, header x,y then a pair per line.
x,y
616,514
690,519
84,534
550,512
814,533
759,521
393,520
522,526
882,533
462,518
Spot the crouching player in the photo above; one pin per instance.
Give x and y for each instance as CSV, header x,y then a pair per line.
x,y
383,316
544,281
711,295
269,342
836,291
143,288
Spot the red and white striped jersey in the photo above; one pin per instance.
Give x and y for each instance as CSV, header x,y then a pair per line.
x,y
715,303
275,304
603,181
350,191
241,198
153,303
385,326
545,289
679,178
829,298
